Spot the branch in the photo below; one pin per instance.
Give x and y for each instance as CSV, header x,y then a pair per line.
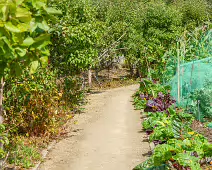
x,y
114,43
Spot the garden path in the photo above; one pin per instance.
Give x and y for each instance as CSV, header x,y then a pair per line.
x,y
107,136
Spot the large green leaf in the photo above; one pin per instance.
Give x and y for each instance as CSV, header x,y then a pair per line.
x,y
5,11
33,25
42,37
23,27
9,26
44,26
18,37
28,41
19,2
53,11
162,153
44,61
23,14
21,51
33,67
41,41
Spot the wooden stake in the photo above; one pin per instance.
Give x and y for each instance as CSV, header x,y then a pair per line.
x,y
178,75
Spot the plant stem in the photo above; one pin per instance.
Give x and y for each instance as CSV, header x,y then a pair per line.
x,y
1,113
1,100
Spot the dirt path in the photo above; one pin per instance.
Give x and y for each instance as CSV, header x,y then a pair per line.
x,y
106,137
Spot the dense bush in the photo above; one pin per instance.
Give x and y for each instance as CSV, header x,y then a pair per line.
x,y
194,12
75,37
201,105
35,104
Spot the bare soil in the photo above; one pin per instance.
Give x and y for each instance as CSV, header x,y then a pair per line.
x,y
200,128
106,136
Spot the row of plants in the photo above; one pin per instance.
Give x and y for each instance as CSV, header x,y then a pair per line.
x,y
177,145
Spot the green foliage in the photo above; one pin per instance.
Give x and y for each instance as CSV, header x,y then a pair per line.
x,y
38,103
153,119
88,34
24,39
75,37
3,140
182,151
162,153
166,126
149,89
191,46
201,105
162,25
187,160
31,102
139,104
177,145
23,155
194,12
149,165
152,88
23,34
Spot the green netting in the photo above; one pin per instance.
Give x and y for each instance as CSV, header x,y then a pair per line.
x,y
192,82
192,76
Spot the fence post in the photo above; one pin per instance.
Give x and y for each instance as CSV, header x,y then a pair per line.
x,y
178,74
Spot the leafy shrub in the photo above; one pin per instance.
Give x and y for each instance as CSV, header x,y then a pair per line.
x,y
201,106
152,88
194,12
36,104
75,37
3,141
152,97
31,102
159,104
22,155
162,25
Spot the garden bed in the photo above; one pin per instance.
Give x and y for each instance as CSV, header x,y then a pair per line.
x,y
177,140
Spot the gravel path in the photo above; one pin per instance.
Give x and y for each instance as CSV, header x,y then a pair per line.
x,y
106,137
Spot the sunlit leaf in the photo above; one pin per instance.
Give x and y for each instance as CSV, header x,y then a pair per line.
x,y
44,60
28,41
53,11
5,11
33,67
21,51
9,26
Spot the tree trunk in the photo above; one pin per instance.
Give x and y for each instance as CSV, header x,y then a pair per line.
x,y
138,73
89,78
131,70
